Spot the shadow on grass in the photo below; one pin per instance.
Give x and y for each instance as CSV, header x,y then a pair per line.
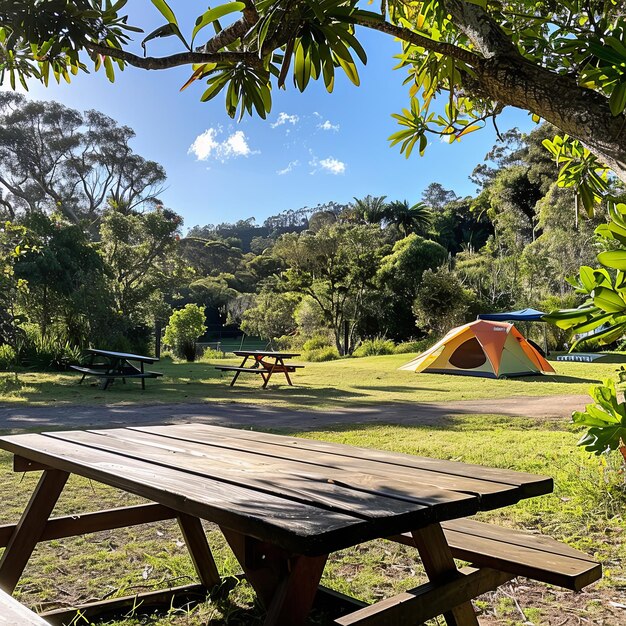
x,y
181,383
555,378
459,423
397,388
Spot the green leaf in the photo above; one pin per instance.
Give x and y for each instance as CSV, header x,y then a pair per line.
x,y
167,30
608,300
617,101
350,70
214,88
567,318
592,324
613,258
214,14
606,335
587,277
165,10
108,69
301,69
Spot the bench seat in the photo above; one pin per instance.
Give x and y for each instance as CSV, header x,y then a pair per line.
x,y
280,368
517,552
12,613
101,373
234,368
257,370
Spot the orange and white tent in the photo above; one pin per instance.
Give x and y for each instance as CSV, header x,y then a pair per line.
x,y
481,348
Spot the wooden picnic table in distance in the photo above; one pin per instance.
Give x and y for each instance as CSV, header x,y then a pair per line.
x,y
116,365
284,504
264,362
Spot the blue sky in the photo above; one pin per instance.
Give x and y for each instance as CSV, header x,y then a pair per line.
x,y
313,148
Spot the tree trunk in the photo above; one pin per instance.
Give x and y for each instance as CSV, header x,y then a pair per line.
x,y
581,113
505,76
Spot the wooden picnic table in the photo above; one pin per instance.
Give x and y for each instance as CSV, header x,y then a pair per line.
x,y
116,365
284,504
264,362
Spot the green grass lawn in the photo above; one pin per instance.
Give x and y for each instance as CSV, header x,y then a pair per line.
x,y
585,510
369,380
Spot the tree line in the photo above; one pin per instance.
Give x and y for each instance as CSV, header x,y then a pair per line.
x,y
91,256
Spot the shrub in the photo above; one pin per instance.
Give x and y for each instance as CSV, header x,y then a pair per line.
x,y
316,342
286,343
120,343
271,317
7,357
414,346
183,328
321,354
210,355
441,301
45,353
375,347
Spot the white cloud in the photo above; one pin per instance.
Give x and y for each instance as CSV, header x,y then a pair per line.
x,y
204,144
289,167
207,145
237,145
333,166
284,118
328,126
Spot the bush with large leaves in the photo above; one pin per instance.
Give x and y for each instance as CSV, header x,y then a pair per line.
x,y
603,313
602,317
606,419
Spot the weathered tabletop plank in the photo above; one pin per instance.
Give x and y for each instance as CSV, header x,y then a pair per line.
x,y
344,490
495,474
289,524
494,487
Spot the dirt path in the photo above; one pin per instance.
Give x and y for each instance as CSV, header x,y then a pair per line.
x,y
16,418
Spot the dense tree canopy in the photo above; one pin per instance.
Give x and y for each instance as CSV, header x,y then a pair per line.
x,y
55,159
564,62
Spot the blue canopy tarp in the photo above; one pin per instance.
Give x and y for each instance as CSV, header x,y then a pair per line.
x,y
523,315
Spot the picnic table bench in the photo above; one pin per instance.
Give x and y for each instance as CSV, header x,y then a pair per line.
x,y
284,504
115,365
265,363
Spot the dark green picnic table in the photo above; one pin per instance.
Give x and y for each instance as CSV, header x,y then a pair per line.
x,y
114,365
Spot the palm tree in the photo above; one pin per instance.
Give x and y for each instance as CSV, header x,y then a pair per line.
x,y
369,210
409,219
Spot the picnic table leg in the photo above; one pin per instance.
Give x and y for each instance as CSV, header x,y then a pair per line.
x,y
143,380
112,369
30,528
281,361
269,375
199,549
439,565
285,583
236,376
91,359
